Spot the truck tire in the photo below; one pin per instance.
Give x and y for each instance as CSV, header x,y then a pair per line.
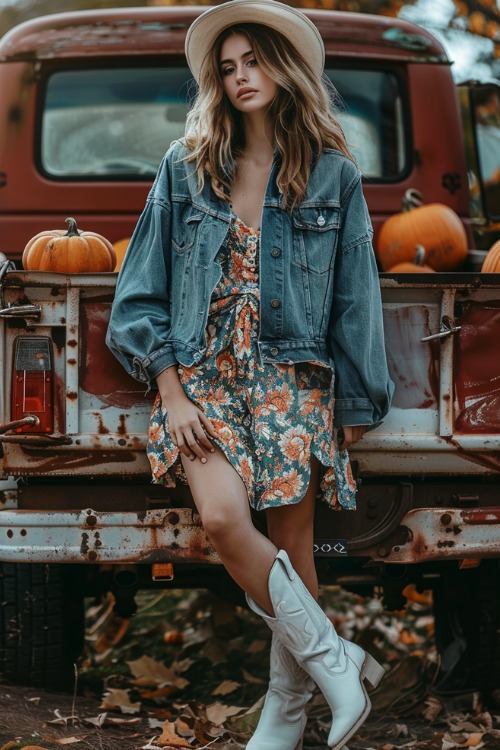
x,y
467,618
41,623
488,658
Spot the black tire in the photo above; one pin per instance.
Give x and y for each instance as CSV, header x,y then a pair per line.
x,y
467,618
41,623
487,669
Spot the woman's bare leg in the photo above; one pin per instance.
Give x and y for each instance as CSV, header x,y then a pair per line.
x,y
222,502
291,527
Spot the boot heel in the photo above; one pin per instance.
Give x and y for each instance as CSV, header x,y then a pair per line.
x,y
372,671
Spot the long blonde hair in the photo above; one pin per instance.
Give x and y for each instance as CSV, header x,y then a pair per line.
x,y
301,113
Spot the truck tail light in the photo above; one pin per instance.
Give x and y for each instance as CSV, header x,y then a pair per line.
x,y
32,382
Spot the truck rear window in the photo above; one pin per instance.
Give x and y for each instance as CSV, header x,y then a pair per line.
x,y
118,122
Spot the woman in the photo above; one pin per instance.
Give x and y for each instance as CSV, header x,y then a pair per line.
x,y
250,280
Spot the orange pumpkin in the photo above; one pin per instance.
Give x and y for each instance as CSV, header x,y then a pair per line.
x,y
435,226
492,261
120,250
418,265
69,252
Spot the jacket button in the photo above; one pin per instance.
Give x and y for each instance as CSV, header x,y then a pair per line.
x,y
321,221
275,303
274,351
276,252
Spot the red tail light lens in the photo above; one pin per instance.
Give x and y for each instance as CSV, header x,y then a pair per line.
x,y
32,382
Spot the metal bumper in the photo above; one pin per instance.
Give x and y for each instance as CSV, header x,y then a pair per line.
x,y
427,534
176,535
90,536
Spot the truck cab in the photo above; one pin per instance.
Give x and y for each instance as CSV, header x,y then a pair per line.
x,y
90,103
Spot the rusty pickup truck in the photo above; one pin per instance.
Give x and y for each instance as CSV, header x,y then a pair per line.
x,y
89,103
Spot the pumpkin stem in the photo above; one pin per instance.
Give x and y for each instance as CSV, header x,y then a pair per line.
x,y
72,228
412,199
419,255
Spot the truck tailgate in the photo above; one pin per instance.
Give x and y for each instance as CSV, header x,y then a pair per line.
x,y
445,417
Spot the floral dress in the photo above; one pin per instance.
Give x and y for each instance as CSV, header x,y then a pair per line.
x,y
269,418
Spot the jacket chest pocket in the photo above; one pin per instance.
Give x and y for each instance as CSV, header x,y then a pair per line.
x,y
316,231
185,229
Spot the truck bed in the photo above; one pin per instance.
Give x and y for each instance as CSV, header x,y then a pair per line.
x,y
445,417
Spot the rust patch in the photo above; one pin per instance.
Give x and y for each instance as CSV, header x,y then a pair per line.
x,y
72,342
122,424
489,516
72,362
71,396
101,427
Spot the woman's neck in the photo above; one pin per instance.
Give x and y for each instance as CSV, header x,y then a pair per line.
x,y
258,139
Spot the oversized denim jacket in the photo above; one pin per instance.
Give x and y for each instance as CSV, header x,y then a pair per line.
x,y
320,294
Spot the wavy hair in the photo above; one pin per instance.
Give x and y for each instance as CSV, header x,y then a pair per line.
x,y
301,114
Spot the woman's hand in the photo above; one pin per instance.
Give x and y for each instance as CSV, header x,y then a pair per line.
x,y
188,425
351,434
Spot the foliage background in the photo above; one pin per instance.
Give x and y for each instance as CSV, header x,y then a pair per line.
x,y
469,29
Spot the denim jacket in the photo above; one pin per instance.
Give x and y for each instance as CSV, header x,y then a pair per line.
x,y
319,288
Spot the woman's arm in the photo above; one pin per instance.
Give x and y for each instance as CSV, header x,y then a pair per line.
x,y
139,326
363,388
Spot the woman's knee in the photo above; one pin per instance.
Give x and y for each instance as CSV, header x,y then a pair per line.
x,y
220,521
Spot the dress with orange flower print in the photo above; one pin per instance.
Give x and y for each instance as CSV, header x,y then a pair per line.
x,y
269,418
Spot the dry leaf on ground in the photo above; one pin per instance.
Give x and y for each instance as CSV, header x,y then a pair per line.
x,y
219,712
119,700
226,687
151,673
170,738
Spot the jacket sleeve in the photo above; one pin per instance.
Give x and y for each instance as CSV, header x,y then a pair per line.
x,y
139,326
363,389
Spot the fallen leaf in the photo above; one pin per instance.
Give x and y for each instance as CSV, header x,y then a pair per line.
x,y
217,713
164,692
253,680
119,700
69,740
151,745
61,719
183,665
257,646
170,738
226,687
156,724
433,708
474,739
215,650
96,721
118,720
151,673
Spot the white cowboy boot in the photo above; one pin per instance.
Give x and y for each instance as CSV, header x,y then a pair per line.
x,y
283,718
338,667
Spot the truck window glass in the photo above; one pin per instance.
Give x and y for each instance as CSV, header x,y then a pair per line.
x,y
486,100
120,121
371,112
112,121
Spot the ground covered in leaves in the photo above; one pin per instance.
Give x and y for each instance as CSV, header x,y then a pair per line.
x,y
189,670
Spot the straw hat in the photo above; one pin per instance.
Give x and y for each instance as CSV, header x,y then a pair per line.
x,y
292,23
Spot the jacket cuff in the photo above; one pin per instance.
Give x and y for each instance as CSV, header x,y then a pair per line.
x,y
147,369
353,411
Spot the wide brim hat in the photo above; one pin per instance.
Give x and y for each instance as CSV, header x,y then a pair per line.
x,y
290,22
